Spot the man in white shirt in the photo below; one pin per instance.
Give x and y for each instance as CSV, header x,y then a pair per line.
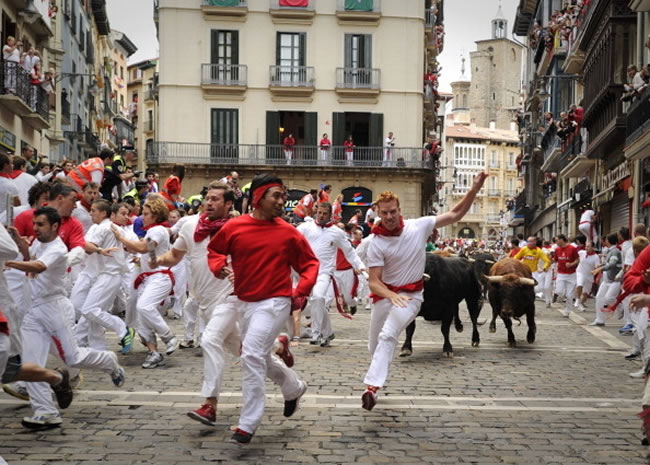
x,y
23,180
325,238
587,225
589,261
89,194
396,261
93,297
51,318
389,143
8,188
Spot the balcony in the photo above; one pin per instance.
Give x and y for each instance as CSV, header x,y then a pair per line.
x,y
640,6
15,88
430,20
357,82
509,193
551,148
494,165
65,110
149,95
581,192
493,218
233,10
292,11
220,79
494,192
549,188
276,155
39,101
573,161
291,81
358,12
147,126
638,126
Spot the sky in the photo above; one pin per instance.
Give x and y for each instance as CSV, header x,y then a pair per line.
x,y
135,19
463,29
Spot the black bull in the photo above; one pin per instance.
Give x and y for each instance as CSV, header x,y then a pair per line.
x,y
452,280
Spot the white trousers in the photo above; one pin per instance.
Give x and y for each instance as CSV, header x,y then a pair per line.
x,y
180,287
5,346
386,324
260,324
190,312
349,158
545,284
607,293
95,309
53,323
321,324
565,286
221,333
154,290
627,314
345,283
386,158
586,281
589,231
288,154
323,156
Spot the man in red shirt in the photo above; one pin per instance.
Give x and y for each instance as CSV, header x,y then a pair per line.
x,y
171,190
306,206
567,260
263,249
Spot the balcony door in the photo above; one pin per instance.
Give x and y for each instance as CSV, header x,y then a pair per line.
x,y
358,59
224,135
290,57
224,56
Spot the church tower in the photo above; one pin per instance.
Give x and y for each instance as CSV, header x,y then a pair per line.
x,y
460,90
496,77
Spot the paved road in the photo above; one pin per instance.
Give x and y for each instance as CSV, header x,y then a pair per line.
x,y
567,399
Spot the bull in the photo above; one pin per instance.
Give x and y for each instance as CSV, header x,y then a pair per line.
x,y
482,264
511,291
451,280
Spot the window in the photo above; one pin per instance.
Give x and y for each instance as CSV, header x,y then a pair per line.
x,y
290,57
493,182
494,96
122,72
358,51
224,126
464,100
493,160
511,159
225,53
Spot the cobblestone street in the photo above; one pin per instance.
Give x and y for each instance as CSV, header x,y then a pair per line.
x,y
565,399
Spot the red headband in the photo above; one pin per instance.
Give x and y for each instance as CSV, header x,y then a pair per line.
x,y
260,191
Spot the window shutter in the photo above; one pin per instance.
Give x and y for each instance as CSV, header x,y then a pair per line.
x,y
311,128
347,54
367,51
338,128
214,46
302,49
278,39
376,136
234,51
272,128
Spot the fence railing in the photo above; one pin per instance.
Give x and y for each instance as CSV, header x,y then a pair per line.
x,y
15,80
358,78
40,101
299,155
224,75
494,192
638,117
493,218
292,76
430,18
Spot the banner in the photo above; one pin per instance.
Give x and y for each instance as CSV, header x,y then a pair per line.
x,y
359,5
224,2
294,3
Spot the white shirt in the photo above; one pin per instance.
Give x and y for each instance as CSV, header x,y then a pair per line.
x,y
102,236
160,236
7,188
362,249
42,177
587,216
587,262
30,61
325,242
13,56
179,224
403,257
628,258
50,284
390,142
625,247
370,216
17,211
204,286
83,216
23,183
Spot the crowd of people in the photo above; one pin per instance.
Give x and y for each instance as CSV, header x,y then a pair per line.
x,y
16,60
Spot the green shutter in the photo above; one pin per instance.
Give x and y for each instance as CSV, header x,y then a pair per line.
x,y
376,136
234,51
347,52
302,49
223,2
359,5
338,128
367,51
214,46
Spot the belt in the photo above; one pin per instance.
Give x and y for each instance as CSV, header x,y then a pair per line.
x,y
411,287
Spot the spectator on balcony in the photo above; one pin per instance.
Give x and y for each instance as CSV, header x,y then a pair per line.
x,y
11,58
349,150
389,143
36,80
173,187
548,120
288,143
325,145
635,84
47,84
577,114
31,58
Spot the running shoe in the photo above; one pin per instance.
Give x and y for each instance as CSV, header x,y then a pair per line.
x,y
290,406
284,353
153,360
171,345
127,341
186,344
63,390
369,398
242,437
17,390
326,342
45,420
118,376
207,415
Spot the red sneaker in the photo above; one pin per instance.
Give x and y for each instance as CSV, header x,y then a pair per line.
x,y
207,415
284,353
241,436
645,416
369,398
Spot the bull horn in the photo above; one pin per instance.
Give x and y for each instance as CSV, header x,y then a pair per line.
x,y
527,282
426,277
494,279
471,260
490,262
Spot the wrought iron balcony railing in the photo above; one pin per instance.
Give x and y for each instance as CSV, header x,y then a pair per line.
x,y
357,78
292,76
224,75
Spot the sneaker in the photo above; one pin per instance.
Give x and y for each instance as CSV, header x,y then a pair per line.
x,y
63,390
17,390
353,310
171,345
315,339
369,398
285,353
566,313
633,355
118,376
241,436
582,308
626,329
186,344
290,406
368,306
153,360
76,381
548,305
127,341
596,323
326,342
207,415
638,374
45,420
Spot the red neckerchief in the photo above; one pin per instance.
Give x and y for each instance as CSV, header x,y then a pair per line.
x,y
164,223
591,253
380,230
206,227
13,175
328,225
85,204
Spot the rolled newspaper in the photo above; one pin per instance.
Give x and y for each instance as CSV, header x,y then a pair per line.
x,y
151,249
9,208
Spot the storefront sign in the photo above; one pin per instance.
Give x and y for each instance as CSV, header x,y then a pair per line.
x,y
613,176
357,197
7,140
294,197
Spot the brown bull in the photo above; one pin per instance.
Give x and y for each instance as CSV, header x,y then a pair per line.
x,y
511,291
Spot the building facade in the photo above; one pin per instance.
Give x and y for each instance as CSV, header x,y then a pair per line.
x,y
344,68
142,95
